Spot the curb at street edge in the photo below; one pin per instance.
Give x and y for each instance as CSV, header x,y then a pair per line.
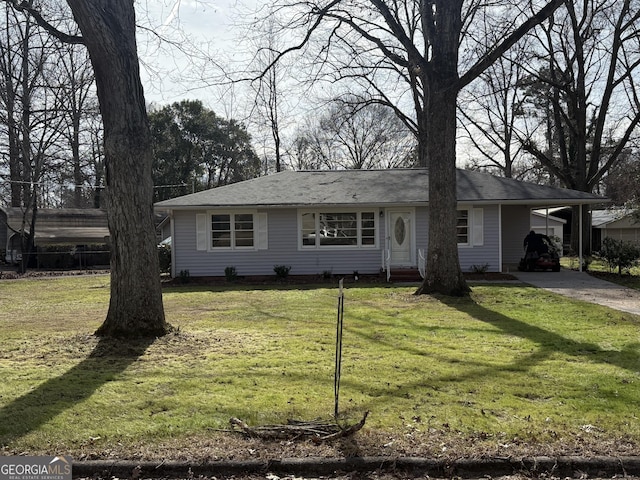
x,y
463,468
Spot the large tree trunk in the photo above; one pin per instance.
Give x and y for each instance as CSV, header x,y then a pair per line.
x,y
443,274
135,308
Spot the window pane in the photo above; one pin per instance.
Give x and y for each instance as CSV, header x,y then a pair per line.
x,y
462,226
244,222
244,238
220,231
221,222
338,229
368,228
309,229
221,239
370,240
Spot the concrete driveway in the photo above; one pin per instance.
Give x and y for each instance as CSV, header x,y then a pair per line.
x,y
583,286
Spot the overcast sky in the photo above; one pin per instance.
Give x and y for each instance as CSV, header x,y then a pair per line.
x,y
211,25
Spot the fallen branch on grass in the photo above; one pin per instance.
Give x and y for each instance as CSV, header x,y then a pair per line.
x,y
294,430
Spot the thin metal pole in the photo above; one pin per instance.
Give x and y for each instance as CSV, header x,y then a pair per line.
x,y
339,327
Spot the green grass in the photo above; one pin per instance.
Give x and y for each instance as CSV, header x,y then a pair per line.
x,y
511,362
600,269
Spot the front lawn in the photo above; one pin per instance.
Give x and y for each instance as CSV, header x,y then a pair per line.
x,y
512,370
599,268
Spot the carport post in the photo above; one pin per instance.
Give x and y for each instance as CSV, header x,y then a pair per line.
x,y
580,237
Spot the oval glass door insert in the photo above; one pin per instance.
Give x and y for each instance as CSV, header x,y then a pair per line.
x,y
400,230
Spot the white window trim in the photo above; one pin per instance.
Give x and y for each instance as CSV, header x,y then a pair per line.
x,y
475,227
358,211
205,238
469,226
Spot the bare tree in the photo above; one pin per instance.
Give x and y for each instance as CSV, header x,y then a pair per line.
x,y
622,182
108,31
76,89
586,86
490,111
353,136
407,53
31,117
268,91
301,152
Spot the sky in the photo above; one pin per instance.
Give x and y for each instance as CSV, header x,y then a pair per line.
x,y
211,25
214,26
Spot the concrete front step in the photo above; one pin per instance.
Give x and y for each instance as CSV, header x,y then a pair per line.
x,y
405,275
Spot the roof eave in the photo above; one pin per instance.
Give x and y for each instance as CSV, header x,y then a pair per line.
x,y
557,202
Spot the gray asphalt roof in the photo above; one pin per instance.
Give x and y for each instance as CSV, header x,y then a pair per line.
x,y
600,218
373,187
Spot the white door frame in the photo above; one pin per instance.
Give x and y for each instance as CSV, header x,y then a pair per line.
x,y
410,236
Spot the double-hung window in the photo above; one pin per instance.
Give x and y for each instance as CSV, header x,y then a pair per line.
x,y
470,227
327,229
462,227
232,230
245,230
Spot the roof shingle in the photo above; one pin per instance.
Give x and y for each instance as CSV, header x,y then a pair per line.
x,y
373,187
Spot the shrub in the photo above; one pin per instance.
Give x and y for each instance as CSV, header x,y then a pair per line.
x,y
184,276
164,257
619,254
230,274
479,268
282,271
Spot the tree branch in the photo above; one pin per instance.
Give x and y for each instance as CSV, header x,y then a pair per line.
x,y
320,14
24,6
489,59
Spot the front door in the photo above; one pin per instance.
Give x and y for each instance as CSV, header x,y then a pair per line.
x,y
401,238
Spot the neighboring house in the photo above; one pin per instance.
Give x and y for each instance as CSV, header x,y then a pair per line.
x,y
350,220
163,228
65,226
617,223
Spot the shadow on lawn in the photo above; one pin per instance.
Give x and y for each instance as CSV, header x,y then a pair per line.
x,y
548,342
109,358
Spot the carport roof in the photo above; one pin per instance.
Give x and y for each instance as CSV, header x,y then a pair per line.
x,y
61,226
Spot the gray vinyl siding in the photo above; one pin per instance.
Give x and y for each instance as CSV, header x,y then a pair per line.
x,y
515,226
283,250
489,252
479,255
625,234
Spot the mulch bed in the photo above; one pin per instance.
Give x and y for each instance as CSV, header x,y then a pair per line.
x,y
252,280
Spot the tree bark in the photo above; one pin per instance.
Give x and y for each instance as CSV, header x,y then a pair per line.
x,y
135,308
443,273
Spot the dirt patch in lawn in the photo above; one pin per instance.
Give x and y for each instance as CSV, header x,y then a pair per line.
x,y
433,442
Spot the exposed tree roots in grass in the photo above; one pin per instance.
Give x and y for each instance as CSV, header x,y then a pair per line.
x,y
296,430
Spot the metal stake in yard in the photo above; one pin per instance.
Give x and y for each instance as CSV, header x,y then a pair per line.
x,y
336,383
